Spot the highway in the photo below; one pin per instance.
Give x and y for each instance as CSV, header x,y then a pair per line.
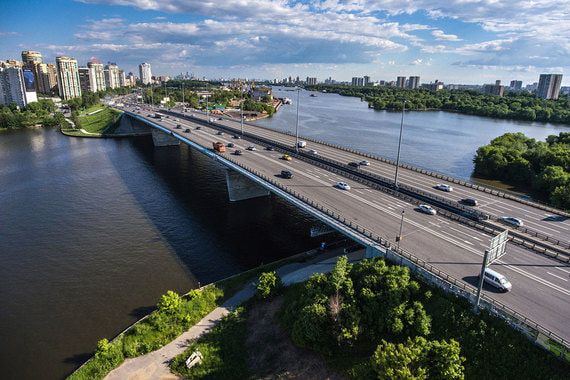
x,y
541,286
534,218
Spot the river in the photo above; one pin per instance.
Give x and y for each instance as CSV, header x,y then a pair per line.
x,y
93,231
435,140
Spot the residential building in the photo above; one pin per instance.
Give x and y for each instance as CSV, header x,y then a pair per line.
x,y
401,82
311,81
131,80
494,89
145,73
97,80
357,81
47,78
30,60
122,78
258,93
67,77
434,86
17,86
84,79
549,86
516,85
11,63
112,79
565,90
366,80
414,82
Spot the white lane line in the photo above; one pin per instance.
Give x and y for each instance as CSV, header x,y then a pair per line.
x,y
562,278
563,270
468,242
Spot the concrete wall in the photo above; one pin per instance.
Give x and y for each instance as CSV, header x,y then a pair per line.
x,y
240,187
163,139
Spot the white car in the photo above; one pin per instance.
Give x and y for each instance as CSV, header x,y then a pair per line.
x,y
314,152
444,187
512,221
364,163
343,185
427,209
251,147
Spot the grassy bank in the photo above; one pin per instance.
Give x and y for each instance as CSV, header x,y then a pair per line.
x,y
96,121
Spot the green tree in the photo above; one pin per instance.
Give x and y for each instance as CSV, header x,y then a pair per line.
x,y
170,302
268,285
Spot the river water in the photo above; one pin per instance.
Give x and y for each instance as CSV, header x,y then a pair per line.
x,y
93,231
437,140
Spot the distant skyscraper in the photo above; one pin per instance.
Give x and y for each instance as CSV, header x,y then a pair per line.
x,y
358,81
400,82
17,86
31,60
366,80
549,86
494,89
413,82
112,79
311,81
67,77
47,78
84,79
96,76
516,85
145,73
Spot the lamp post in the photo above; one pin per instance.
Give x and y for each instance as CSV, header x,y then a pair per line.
x,y
183,106
207,107
241,108
399,237
297,125
399,145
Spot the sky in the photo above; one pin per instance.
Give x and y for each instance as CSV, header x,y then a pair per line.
x,y
455,41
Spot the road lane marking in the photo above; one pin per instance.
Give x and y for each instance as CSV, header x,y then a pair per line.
x,y
562,278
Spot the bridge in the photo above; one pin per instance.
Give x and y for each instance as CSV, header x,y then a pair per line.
x,y
446,248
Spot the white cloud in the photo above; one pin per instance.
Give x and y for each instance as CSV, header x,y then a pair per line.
x,y
440,35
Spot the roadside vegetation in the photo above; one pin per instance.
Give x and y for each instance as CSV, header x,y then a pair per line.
x,y
43,112
516,106
369,320
541,167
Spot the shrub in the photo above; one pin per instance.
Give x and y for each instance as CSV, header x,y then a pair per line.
x,y
269,285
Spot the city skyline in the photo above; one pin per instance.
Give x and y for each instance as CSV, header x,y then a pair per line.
x,y
455,42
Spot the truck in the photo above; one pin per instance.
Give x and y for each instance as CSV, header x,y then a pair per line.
x,y
219,147
302,144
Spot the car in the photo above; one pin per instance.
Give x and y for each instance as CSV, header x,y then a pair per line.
x,y
187,130
470,201
343,185
512,221
364,163
198,128
286,157
444,187
286,174
178,126
270,148
168,116
302,144
497,280
238,152
230,145
174,119
353,164
237,137
220,118
313,152
251,147
427,209
220,133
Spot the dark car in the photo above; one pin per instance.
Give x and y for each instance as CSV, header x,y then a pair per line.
x,y
270,148
238,152
286,174
470,202
178,126
198,128
187,130
220,118
230,145
354,164
220,133
237,137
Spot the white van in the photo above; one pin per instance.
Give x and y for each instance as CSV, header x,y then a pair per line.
x,y
302,144
497,280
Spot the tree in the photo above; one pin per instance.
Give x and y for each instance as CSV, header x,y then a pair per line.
x,y
269,285
170,302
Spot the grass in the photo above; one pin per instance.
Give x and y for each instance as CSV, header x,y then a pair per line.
x,y
102,122
93,108
223,350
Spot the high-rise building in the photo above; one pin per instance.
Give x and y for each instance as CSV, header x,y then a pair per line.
x,y
311,81
549,86
357,81
47,78
494,89
122,78
31,60
145,73
112,79
401,82
84,79
67,77
366,80
96,76
11,63
516,85
17,86
131,80
414,82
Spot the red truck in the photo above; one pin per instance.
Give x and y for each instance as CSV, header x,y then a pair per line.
x,y
219,147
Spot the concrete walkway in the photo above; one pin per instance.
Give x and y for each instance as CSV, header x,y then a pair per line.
x,y
155,365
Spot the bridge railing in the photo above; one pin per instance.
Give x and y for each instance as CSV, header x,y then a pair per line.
x,y
531,329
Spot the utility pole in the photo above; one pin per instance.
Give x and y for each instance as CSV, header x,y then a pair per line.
x,y
183,106
399,145
241,107
399,237
207,96
481,276
297,125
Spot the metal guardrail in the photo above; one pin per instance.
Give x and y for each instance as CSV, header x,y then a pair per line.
x,y
495,306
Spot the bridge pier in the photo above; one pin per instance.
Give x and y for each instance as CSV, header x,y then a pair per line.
x,y
163,139
241,188
372,252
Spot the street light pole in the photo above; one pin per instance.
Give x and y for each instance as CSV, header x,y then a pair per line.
x,y
399,238
241,108
480,287
183,106
399,145
297,125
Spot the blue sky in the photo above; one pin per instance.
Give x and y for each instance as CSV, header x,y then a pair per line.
x,y
456,41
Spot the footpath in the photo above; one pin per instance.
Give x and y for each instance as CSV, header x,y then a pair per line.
x,y
155,365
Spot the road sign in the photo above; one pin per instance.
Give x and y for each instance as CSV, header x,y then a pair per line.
x,y
497,247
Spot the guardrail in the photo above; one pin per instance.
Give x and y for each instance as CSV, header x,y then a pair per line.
x,y
516,319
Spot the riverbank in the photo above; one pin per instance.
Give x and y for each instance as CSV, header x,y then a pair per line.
x,y
96,121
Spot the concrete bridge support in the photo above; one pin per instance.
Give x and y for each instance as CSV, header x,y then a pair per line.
x,y
241,188
372,252
163,139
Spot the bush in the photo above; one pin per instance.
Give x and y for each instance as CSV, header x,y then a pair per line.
x,y
269,285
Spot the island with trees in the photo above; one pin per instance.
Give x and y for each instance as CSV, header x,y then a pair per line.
x,y
514,106
541,168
